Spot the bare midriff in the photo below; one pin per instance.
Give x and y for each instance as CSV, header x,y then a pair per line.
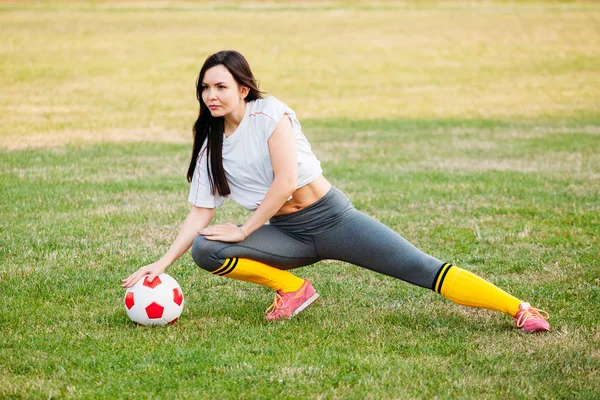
x,y
305,196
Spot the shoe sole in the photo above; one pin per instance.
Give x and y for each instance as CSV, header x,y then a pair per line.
x,y
304,305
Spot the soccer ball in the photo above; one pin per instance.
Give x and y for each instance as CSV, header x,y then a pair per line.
x,y
159,302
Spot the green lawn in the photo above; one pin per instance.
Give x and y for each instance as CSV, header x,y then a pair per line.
x,y
472,129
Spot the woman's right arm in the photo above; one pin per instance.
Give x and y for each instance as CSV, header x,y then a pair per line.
x,y
198,219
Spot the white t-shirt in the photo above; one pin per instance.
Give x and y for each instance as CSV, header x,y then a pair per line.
x,y
246,158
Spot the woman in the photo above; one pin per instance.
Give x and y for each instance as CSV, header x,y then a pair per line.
x,y
252,150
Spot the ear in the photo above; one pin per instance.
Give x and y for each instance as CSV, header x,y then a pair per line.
x,y
244,90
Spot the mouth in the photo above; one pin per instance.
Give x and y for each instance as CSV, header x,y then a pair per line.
x,y
213,107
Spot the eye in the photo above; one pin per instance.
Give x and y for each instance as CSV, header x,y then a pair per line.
x,y
222,87
204,87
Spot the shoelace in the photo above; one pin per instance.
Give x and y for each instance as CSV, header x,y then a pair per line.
x,y
531,313
277,304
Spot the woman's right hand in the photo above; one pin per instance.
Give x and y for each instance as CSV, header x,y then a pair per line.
x,y
152,270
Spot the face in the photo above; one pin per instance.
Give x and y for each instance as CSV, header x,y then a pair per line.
x,y
221,93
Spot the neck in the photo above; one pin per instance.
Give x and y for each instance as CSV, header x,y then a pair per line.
x,y
233,119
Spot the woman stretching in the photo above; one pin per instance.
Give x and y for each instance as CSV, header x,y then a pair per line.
x,y
252,150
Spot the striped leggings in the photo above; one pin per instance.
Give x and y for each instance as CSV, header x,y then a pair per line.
x,y
331,228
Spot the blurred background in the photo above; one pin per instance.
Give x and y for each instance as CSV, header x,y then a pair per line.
x,y
112,70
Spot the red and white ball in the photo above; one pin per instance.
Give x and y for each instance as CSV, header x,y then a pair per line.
x,y
159,302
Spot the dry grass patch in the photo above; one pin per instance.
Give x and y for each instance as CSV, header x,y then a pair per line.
x,y
87,137
89,68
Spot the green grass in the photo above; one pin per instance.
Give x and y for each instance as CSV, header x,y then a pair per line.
x,y
472,129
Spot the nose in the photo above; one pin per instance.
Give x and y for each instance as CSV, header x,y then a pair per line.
x,y
210,94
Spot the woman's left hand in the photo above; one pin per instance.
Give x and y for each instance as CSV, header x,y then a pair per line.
x,y
224,233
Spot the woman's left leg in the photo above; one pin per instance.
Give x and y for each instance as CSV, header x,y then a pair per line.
x,y
365,242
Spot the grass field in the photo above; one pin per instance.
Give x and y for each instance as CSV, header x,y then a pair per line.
x,y
472,128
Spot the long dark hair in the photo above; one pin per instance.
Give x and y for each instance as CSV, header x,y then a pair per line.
x,y
208,126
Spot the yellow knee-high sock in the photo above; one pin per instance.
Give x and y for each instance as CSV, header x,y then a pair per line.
x,y
467,289
253,271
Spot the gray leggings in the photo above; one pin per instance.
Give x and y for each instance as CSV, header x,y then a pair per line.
x,y
332,229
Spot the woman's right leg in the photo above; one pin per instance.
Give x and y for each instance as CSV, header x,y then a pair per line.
x,y
263,258
267,244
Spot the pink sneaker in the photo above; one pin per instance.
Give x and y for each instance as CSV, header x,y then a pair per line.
x,y
531,319
288,305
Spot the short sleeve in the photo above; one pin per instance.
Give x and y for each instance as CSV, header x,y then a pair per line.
x,y
200,194
271,112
